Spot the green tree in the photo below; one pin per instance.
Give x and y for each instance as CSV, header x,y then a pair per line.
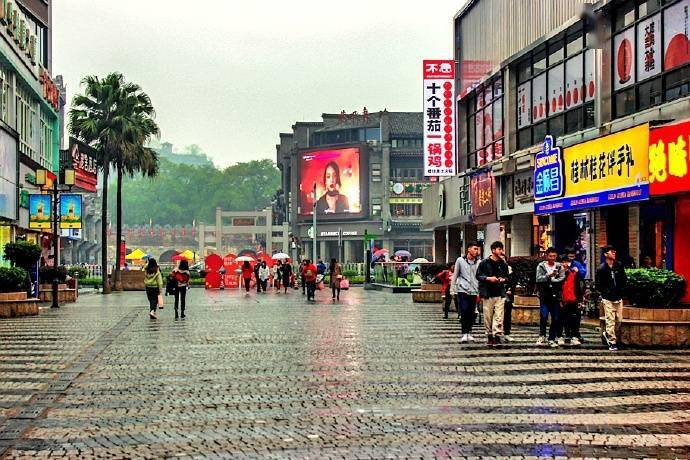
x,y
115,118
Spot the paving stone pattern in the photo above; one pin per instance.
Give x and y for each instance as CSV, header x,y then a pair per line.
x,y
270,376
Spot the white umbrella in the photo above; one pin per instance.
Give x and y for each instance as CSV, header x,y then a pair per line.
x,y
420,260
280,256
244,259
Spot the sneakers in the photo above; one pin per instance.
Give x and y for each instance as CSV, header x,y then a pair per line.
x,y
553,344
152,315
490,341
561,341
508,338
575,342
613,347
541,341
607,338
497,340
464,338
470,338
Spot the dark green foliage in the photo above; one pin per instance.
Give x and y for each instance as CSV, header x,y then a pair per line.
x,y
429,271
13,279
525,272
47,274
23,254
654,288
77,272
182,193
90,282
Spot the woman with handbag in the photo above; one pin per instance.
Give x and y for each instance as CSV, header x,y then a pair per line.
x,y
335,272
153,281
181,277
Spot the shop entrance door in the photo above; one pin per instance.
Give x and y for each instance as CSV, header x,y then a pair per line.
x,y
616,218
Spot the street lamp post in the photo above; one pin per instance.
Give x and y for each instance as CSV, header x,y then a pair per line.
x,y
68,180
314,227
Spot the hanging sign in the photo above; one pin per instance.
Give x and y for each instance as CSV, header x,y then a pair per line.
x,y
70,210
40,211
439,117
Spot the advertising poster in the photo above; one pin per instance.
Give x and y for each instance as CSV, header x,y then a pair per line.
x,y
40,211
482,195
336,174
669,161
676,42
623,59
70,210
590,81
573,82
498,128
539,98
85,165
439,118
556,98
649,47
524,101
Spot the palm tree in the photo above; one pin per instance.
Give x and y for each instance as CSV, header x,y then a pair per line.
x,y
115,118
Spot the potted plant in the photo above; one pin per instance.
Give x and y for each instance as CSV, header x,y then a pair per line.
x,y
13,279
654,288
525,272
24,255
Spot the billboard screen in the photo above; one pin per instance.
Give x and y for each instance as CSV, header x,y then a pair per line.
x,y
336,173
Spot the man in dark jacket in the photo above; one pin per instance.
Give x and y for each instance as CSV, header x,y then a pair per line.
x,y
610,282
492,274
549,277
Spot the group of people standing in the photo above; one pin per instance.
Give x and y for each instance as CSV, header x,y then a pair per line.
x,y
560,285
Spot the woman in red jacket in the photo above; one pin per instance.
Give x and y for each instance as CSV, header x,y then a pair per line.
x,y
444,277
247,272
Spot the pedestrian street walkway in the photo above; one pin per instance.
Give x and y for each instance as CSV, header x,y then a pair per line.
x,y
270,376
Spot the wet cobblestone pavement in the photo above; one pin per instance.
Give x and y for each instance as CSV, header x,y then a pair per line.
x,y
374,376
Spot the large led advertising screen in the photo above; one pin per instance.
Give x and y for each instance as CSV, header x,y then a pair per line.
x,y
339,190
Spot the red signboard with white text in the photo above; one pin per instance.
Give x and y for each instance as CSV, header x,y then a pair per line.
x,y
85,165
669,162
439,118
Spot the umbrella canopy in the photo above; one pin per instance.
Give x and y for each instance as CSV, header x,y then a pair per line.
x,y
137,254
178,257
380,252
189,255
420,260
403,253
280,256
244,259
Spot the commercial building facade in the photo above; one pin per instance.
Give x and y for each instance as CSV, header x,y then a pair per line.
x,y
598,79
378,161
29,112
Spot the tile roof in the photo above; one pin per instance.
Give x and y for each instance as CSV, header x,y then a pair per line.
x,y
406,124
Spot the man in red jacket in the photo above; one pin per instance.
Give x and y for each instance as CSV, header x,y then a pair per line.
x,y
309,273
444,277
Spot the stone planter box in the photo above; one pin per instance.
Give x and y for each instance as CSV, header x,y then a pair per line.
x,y
133,280
429,293
45,294
526,310
652,327
14,304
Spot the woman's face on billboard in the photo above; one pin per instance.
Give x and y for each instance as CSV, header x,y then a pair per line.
x,y
331,179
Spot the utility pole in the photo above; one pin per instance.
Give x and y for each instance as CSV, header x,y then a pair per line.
x,y
314,227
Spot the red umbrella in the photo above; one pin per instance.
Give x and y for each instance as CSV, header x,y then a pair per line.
x,y
178,257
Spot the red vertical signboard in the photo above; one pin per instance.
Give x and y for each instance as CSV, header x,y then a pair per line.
x,y
439,118
123,253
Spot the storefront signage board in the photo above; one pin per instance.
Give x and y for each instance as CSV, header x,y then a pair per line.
x,y
439,117
483,197
669,159
605,171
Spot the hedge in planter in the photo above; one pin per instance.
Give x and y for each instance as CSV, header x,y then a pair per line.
x,y
47,274
653,287
525,271
13,279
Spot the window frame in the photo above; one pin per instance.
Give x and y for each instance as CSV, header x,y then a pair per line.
x,y
470,103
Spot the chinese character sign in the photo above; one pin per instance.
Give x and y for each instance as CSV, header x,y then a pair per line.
x,y
482,195
548,172
85,165
439,118
669,161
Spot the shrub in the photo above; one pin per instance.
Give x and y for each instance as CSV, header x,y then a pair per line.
x,y
47,274
77,272
525,272
197,281
23,254
92,282
13,279
654,288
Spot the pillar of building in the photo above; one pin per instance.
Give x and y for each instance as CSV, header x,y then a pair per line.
x,y
440,251
521,235
454,244
634,233
347,251
321,253
202,239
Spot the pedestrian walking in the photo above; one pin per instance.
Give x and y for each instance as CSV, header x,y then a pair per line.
x,y
153,282
511,284
247,272
263,276
445,276
571,299
492,274
276,270
464,286
181,277
309,271
335,273
286,273
581,269
549,277
301,277
257,267
611,282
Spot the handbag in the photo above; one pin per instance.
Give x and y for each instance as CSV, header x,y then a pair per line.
x,y
160,301
345,283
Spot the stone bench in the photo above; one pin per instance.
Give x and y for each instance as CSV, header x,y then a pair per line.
x,y
14,304
429,293
65,294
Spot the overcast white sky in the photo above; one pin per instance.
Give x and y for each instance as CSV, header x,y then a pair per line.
x,y
230,75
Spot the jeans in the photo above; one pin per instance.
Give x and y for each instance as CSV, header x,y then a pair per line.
x,y
262,285
311,289
152,296
335,288
570,320
546,308
304,284
466,304
507,316
493,315
180,298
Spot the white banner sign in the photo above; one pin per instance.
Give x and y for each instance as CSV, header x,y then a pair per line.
x,y
439,118
649,47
